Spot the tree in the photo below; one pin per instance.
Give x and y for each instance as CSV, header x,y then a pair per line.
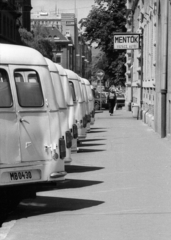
x,y
105,18
38,40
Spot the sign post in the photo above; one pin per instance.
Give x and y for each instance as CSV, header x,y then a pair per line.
x,y
131,41
100,75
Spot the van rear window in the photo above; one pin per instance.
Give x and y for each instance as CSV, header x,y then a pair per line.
x,y
5,91
28,87
72,90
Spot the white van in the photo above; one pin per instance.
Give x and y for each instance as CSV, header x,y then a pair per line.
x,y
90,100
69,99
75,84
31,145
63,113
83,81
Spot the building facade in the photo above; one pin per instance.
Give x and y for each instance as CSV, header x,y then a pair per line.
x,y
148,69
24,7
9,14
71,50
13,15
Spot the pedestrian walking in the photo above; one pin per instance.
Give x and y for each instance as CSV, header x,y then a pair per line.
x,y
111,99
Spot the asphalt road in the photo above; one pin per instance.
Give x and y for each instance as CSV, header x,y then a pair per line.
x,y
117,188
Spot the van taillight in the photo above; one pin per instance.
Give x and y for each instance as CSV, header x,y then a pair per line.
x,y
62,148
68,139
75,131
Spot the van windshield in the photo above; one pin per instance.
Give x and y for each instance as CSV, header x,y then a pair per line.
x,y
5,91
28,87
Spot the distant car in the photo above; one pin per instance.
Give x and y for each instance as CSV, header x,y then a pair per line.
x,y
97,100
120,100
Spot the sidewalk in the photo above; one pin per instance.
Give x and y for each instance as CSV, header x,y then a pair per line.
x,y
118,188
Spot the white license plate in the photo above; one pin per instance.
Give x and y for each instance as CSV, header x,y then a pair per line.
x,y
24,175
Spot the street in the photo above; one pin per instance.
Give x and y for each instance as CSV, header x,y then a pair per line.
x,y
118,187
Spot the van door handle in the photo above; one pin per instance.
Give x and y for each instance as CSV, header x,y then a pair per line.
x,y
23,120
48,147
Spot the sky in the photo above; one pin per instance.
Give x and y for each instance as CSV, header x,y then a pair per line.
x,y
83,6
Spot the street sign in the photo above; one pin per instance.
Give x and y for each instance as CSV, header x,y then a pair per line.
x,y
127,41
100,74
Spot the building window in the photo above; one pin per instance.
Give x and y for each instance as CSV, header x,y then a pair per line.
x,y
58,47
58,59
11,30
8,27
4,25
0,23
14,30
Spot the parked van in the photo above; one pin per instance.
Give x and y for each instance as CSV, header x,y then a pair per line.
x,y
90,101
86,103
63,113
81,82
69,99
31,145
75,84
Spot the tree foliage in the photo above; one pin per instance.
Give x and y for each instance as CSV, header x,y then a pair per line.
x,y
38,40
106,18
99,62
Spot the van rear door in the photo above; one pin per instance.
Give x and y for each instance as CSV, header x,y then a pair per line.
x,y
9,129
32,116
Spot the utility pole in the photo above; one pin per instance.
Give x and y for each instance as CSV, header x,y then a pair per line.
x,y
75,8
141,84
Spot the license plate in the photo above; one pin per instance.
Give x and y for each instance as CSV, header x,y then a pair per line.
x,y
24,175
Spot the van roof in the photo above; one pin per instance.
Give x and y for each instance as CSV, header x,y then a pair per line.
x,y
61,70
86,81
51,65
72,75
20,55
82,81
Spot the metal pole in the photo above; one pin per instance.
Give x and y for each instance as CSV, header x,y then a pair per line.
x,y
164,73
141,84
100,92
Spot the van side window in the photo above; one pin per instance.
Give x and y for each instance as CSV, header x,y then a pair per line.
x,y
5,91
28,87
72,90
19,77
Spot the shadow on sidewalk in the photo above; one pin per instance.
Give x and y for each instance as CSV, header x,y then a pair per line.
x,y
77,183
46,205
66,184
80,169
92,140
96,131
96,128
90,150
90,145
